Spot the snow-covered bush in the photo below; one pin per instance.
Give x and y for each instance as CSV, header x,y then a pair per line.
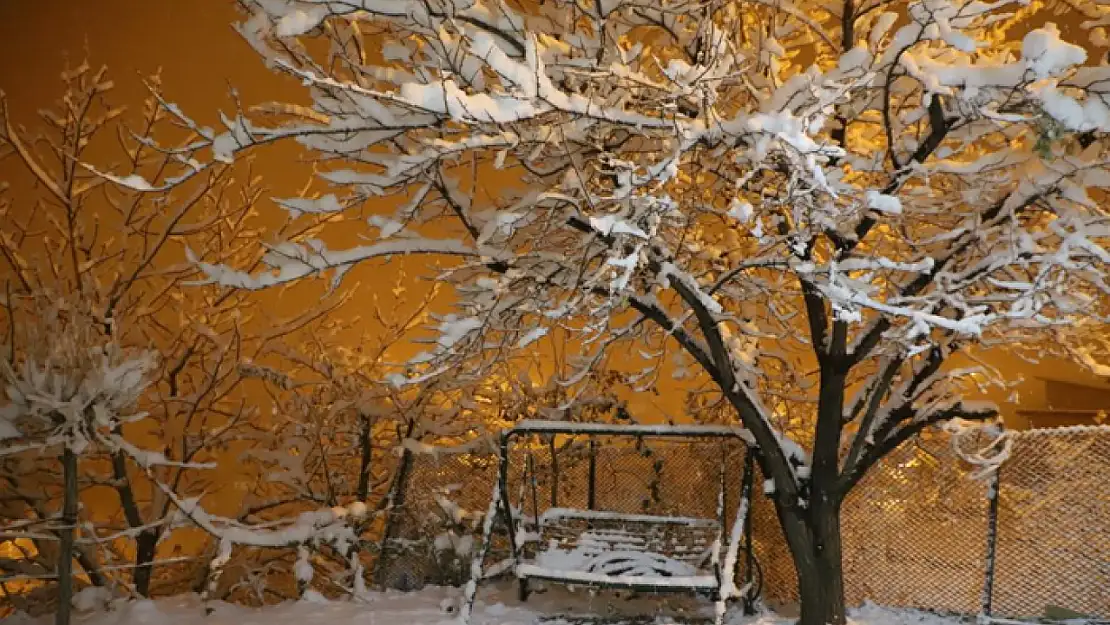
x,y
67,383
115,356
68,389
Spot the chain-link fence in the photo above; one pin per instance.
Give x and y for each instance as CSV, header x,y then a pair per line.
x,y
913,533
1054,523
915,530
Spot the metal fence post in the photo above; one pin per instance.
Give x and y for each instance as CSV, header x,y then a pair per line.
x,y
554,471
591,492
749,558
992,547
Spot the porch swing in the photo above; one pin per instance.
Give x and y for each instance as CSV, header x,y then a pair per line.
x,y
605,549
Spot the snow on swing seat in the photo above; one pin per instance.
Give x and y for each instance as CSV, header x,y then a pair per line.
x,y
552,515
614,550
600,549
616,569
707,583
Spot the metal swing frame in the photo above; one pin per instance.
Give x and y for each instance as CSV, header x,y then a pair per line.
x,y
726,546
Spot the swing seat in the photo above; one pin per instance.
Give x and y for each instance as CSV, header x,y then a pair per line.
x,y
599,549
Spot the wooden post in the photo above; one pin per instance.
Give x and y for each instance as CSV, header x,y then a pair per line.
x,y
992,547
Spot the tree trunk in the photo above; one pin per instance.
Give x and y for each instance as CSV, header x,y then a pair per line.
x,y
826,523
67,536
814,541
146,542
395,505
366,450
146,545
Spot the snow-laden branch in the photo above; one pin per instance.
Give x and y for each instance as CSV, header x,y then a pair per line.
x,y
292,261
664,177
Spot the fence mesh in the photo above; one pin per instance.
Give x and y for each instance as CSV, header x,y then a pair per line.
x,y
1054,523
914,529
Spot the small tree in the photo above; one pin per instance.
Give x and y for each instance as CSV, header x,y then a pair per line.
x,y
69,389
819,205
116,258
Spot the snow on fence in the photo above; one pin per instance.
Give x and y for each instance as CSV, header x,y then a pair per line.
x,y
915,530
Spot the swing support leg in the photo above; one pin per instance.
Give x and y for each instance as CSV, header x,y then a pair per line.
x,y
728,590
477,565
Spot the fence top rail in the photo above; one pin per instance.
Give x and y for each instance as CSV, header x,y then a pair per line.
x,y
1064,430
536,426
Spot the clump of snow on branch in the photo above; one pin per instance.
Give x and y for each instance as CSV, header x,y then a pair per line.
x,y
1047,55
68,383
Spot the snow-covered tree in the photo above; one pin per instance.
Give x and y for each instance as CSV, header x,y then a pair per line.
x,y
816,205
115,258
69,388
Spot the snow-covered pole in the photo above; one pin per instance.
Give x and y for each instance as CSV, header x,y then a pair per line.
x,y
728,588
476,565
506,504
720,541
987,597
302,570
215,571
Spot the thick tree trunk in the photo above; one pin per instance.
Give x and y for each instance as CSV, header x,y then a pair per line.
x,y
829,556
813,536
67,536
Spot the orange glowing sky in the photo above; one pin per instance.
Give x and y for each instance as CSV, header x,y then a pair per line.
x,y
191,40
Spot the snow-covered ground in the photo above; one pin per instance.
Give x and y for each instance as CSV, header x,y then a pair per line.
x,y
434,606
